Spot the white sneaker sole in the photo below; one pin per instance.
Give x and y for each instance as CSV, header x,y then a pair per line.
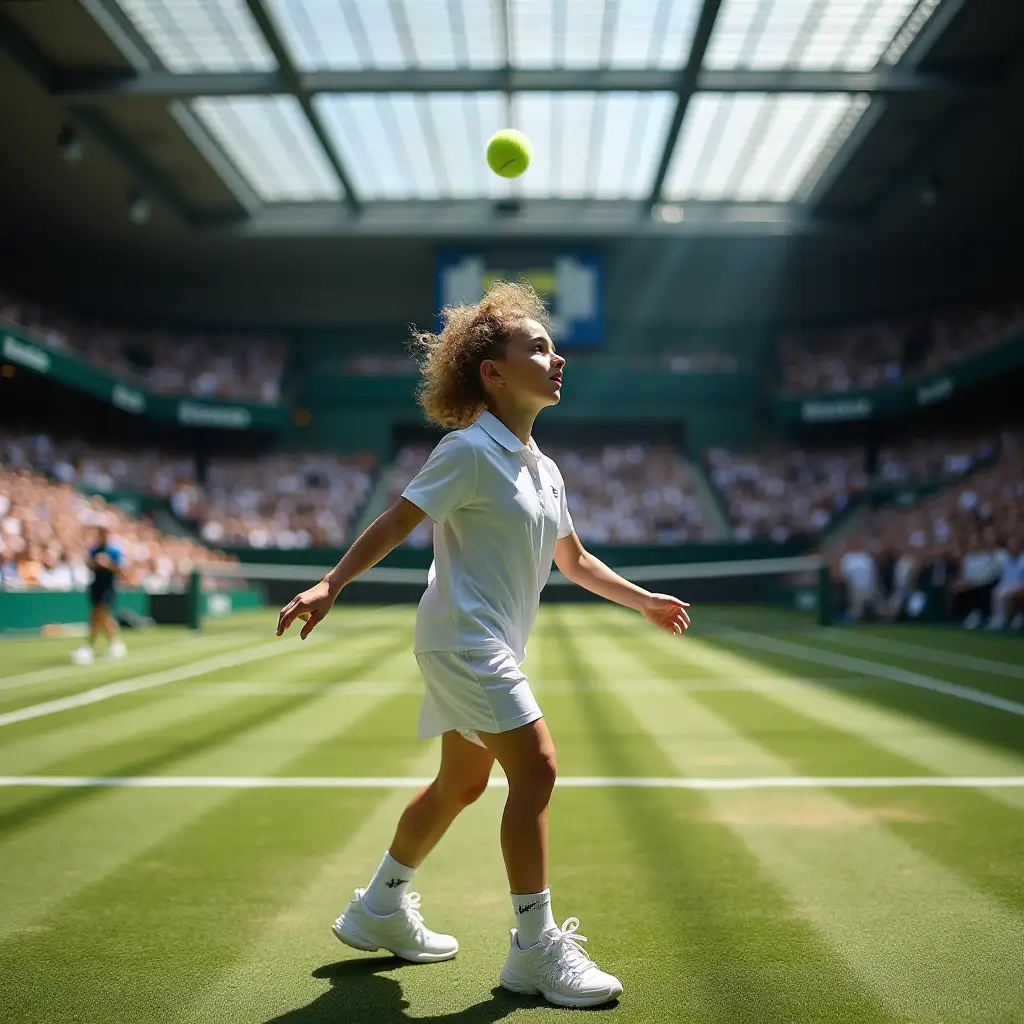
x,y
352,936
527,987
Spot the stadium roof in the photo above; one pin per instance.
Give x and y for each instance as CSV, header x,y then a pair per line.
x,y
372,115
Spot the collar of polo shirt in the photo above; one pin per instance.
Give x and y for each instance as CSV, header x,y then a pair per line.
x,y
497,430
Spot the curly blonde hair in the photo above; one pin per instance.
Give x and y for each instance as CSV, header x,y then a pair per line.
x,y
451,392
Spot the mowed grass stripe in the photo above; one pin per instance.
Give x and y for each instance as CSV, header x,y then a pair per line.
x,y
901,729
273,969
882,906
138,944
967,718
869,667
62,684
197,742
737,950
965,830
42,869
986,675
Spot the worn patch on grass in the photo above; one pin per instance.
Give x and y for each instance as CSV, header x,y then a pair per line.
x,y
803,811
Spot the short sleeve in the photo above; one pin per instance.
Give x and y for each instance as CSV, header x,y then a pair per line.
x,y
447,480
565,527
115,555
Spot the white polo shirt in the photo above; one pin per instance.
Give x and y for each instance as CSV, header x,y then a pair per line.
x,y
498,507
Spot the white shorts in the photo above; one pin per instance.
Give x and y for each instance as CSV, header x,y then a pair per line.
x,y
474,691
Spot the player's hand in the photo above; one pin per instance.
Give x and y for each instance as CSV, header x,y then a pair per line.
x,y
311,606
667,613
104,561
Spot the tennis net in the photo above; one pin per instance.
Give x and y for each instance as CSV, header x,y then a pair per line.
x,y
776,593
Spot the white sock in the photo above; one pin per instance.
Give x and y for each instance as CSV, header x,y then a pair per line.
x,y
384,893
533,916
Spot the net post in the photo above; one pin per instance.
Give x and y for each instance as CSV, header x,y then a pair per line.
x,y
195,600
824,596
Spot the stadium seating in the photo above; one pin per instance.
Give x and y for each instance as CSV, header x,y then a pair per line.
x,y
282,501
874,355
46,527
782,493
210,365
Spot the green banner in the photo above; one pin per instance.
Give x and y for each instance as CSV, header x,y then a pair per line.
x,y
188,411
902,399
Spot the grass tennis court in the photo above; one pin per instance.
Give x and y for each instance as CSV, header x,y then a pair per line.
x,y
760,823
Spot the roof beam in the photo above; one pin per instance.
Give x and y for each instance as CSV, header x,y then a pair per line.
x,y
540,219
24,54
291,78
687,85
103,87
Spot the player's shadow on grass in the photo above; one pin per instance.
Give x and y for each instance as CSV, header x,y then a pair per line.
x,y
360,994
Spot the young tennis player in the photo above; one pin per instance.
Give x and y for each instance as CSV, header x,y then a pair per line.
x,y
499,510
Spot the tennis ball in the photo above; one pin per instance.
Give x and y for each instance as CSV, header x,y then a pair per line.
x,y
509,152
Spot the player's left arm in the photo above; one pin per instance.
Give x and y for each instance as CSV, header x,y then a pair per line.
x,y
586,570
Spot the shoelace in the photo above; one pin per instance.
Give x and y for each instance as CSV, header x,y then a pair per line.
x,y
411,906
564,943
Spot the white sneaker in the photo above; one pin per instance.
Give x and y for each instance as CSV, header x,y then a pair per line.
x,y
996,622
83,655
1017,623
402,933
117,649
557,968
973,621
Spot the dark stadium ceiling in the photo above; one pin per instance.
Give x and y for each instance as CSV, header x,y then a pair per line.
x,y
370,116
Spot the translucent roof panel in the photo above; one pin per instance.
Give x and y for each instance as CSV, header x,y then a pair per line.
x,y
757,146
272,145
602,145
850,35
349,34
597,33
201,35
416,145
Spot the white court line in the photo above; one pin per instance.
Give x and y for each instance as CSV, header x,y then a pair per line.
x,y
499,782
147,682
148,654
872,668
933,654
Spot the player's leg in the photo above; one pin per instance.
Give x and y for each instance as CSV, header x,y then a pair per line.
x,y
87,652
543,958
461,779
385,915
116,648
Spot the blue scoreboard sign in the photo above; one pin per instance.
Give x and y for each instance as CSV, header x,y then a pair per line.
x,y
570,281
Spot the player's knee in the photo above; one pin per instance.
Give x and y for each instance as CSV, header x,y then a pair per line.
x,y
469,792
536,778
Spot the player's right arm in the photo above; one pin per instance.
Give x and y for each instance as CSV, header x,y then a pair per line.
x,y
382,536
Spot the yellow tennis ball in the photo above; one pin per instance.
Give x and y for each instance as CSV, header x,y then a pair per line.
x,y
509,152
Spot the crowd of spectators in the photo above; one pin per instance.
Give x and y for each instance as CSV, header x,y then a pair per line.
x,y
617,494
875,355
962,543
782,493
247,368
281,501
933,456
275,501
47,527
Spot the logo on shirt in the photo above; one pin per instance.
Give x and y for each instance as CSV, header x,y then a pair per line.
x,y
554,490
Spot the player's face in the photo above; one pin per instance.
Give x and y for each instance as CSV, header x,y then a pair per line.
x,y
531,369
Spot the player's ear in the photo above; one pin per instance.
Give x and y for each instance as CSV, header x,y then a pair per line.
x,y
490,373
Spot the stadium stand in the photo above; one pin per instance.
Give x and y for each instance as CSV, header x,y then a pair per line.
x,y
956,539
208,365
874,355
782,493
282,501
46,527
